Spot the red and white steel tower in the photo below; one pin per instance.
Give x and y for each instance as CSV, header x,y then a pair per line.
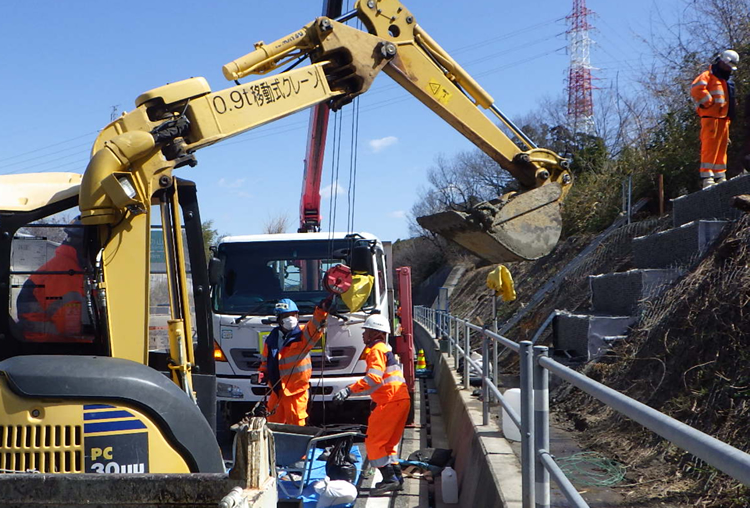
x,y
580,99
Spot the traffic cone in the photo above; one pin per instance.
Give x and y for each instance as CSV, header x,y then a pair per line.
x,y
421,363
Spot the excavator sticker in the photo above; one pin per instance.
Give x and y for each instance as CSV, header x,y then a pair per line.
x,y
442,95
108,448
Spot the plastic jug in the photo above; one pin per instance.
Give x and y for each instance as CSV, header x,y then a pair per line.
x,y
449,484
513,398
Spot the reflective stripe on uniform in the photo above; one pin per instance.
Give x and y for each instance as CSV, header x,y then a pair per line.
x,y
700,83
296,369
383,461
704,99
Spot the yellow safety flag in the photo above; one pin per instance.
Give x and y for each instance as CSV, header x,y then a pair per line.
x,y
501,281
356,296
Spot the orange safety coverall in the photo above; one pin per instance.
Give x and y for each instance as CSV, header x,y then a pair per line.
x,y
289,393
51,305
711,95
384,382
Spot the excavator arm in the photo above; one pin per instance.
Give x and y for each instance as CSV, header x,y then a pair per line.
x,y
133,157
494,230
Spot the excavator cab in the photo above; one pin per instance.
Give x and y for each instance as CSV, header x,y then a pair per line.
x,y
73,401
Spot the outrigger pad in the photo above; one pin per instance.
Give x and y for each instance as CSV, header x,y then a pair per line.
x,y
527,227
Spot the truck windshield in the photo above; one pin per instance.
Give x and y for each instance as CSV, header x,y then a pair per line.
x,y
257,274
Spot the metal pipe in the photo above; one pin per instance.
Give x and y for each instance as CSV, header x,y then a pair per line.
x,y
722,456
495,375
544,326
510,344
347,16
467,356
458,341
527,424
485,381
541,427
518,132
567,488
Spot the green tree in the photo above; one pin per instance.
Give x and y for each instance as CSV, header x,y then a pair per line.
x,y
210,235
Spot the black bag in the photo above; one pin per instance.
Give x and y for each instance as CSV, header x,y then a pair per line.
x,y
339,465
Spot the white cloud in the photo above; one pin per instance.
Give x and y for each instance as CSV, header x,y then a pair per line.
x,y
231,184
397,214
378,145
326,191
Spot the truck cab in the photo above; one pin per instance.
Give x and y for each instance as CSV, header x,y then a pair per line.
x,y
253,272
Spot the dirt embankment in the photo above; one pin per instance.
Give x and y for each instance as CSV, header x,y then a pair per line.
x,y
688,356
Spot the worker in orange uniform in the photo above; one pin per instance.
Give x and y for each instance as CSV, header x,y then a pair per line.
x,y
52,303
384,382
286,364
713,93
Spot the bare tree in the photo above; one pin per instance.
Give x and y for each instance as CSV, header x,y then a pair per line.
x,y
276,224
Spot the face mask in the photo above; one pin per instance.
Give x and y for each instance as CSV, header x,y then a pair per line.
x,y
289,323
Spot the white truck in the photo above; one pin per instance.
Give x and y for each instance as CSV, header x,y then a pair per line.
x,y
251,273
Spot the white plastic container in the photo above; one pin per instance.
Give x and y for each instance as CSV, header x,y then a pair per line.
x,y
513,398
449,485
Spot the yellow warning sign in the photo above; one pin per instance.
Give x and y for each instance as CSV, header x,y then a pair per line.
x,y
439,92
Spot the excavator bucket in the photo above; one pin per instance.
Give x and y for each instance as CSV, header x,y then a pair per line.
x,y
526,227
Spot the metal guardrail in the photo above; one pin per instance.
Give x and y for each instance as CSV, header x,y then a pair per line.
x,y
533,422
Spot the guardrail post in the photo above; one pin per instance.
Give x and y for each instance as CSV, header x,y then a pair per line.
x,y
494,342
450,335
485,379
467,355
541,427
527,424
458,338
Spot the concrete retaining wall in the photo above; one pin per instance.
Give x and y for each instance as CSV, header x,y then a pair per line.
x,y
488,470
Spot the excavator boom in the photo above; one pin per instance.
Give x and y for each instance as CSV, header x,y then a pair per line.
x,y
528,230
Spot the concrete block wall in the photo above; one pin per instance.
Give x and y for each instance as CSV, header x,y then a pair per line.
x,y
711,203
574,332
677,245
621,293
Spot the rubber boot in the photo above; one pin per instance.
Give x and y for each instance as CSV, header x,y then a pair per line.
x,y
399,475
389,483
707,182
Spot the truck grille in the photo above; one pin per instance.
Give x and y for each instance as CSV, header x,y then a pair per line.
x,y
338,358
41,448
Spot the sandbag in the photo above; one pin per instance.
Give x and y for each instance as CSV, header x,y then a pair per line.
x,y
334,492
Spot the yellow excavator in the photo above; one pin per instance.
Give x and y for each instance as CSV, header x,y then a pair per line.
x,y
81,390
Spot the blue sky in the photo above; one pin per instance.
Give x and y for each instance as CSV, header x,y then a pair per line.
x,y
67,64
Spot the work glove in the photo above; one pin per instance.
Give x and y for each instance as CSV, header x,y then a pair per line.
x,y
326,303
340,396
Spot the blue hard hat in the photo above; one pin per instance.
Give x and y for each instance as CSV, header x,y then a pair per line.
x,y
285,305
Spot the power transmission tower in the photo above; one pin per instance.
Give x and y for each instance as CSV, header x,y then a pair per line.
x,y
580,98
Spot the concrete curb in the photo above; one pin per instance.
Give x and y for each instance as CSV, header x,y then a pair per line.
x,y
489,473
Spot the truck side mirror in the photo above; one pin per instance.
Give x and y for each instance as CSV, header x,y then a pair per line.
x,y
215,269
361,259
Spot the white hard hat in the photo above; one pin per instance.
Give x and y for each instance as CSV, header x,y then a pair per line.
x,y
378,322
730,57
